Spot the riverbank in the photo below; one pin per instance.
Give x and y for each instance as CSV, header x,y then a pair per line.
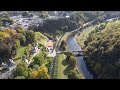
x,y
73,46
80,38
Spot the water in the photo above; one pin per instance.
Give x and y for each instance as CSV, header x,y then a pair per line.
x,y
73,46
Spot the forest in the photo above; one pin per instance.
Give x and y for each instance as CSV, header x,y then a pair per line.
x,y
11,40
102,50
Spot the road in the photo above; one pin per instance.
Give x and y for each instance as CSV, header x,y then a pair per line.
x,y
53,55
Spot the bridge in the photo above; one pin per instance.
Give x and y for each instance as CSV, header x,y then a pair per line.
x,y
76,53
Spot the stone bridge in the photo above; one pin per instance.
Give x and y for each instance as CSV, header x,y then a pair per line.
x,y
76,53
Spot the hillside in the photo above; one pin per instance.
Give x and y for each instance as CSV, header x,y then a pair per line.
x,y
102,50
12,40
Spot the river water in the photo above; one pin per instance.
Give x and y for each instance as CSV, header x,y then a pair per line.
x,y
73,46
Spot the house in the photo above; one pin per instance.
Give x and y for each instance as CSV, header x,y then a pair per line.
x,y
35,49
50,45
67,16
4,65
109,20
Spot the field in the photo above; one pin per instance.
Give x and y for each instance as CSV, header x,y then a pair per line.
x,y
61,67
20,53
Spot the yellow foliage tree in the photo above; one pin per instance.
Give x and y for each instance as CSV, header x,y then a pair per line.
x,y
34,74
43,73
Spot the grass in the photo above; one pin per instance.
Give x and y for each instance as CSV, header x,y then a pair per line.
x,y
83,36
65,37
17,61
20,53
61,67
40,38
64,68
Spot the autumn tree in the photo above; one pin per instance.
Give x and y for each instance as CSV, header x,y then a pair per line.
x,y
43,73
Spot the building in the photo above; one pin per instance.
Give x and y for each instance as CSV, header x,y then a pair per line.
x,y
35,49
50,45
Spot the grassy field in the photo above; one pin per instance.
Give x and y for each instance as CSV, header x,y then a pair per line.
x,y
61,67
20,52
40,38
80,38
64,68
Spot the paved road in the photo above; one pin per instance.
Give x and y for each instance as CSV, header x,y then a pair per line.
x,y
53,55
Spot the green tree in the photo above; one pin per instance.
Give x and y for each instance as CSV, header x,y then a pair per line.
x,y
30,36
72,61
22,39
36,67
39,59
21,70
20,77
65,28
72,75
68,54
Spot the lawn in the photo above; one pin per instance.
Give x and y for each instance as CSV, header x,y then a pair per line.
x,y
20,53
40,38
61,67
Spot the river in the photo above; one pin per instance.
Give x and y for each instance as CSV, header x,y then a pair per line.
x,y
73,46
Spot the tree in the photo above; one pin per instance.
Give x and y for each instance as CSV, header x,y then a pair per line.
x,y
65,28
38,60
68,54
22,39
25,13
36,67
64,47
85,43
72,75
101,27
20,77
97,68
30,35
43,73
34,74
21,70
63,43
72,61
16,44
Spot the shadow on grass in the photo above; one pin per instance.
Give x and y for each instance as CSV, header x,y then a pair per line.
x,y
67,70
64,62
